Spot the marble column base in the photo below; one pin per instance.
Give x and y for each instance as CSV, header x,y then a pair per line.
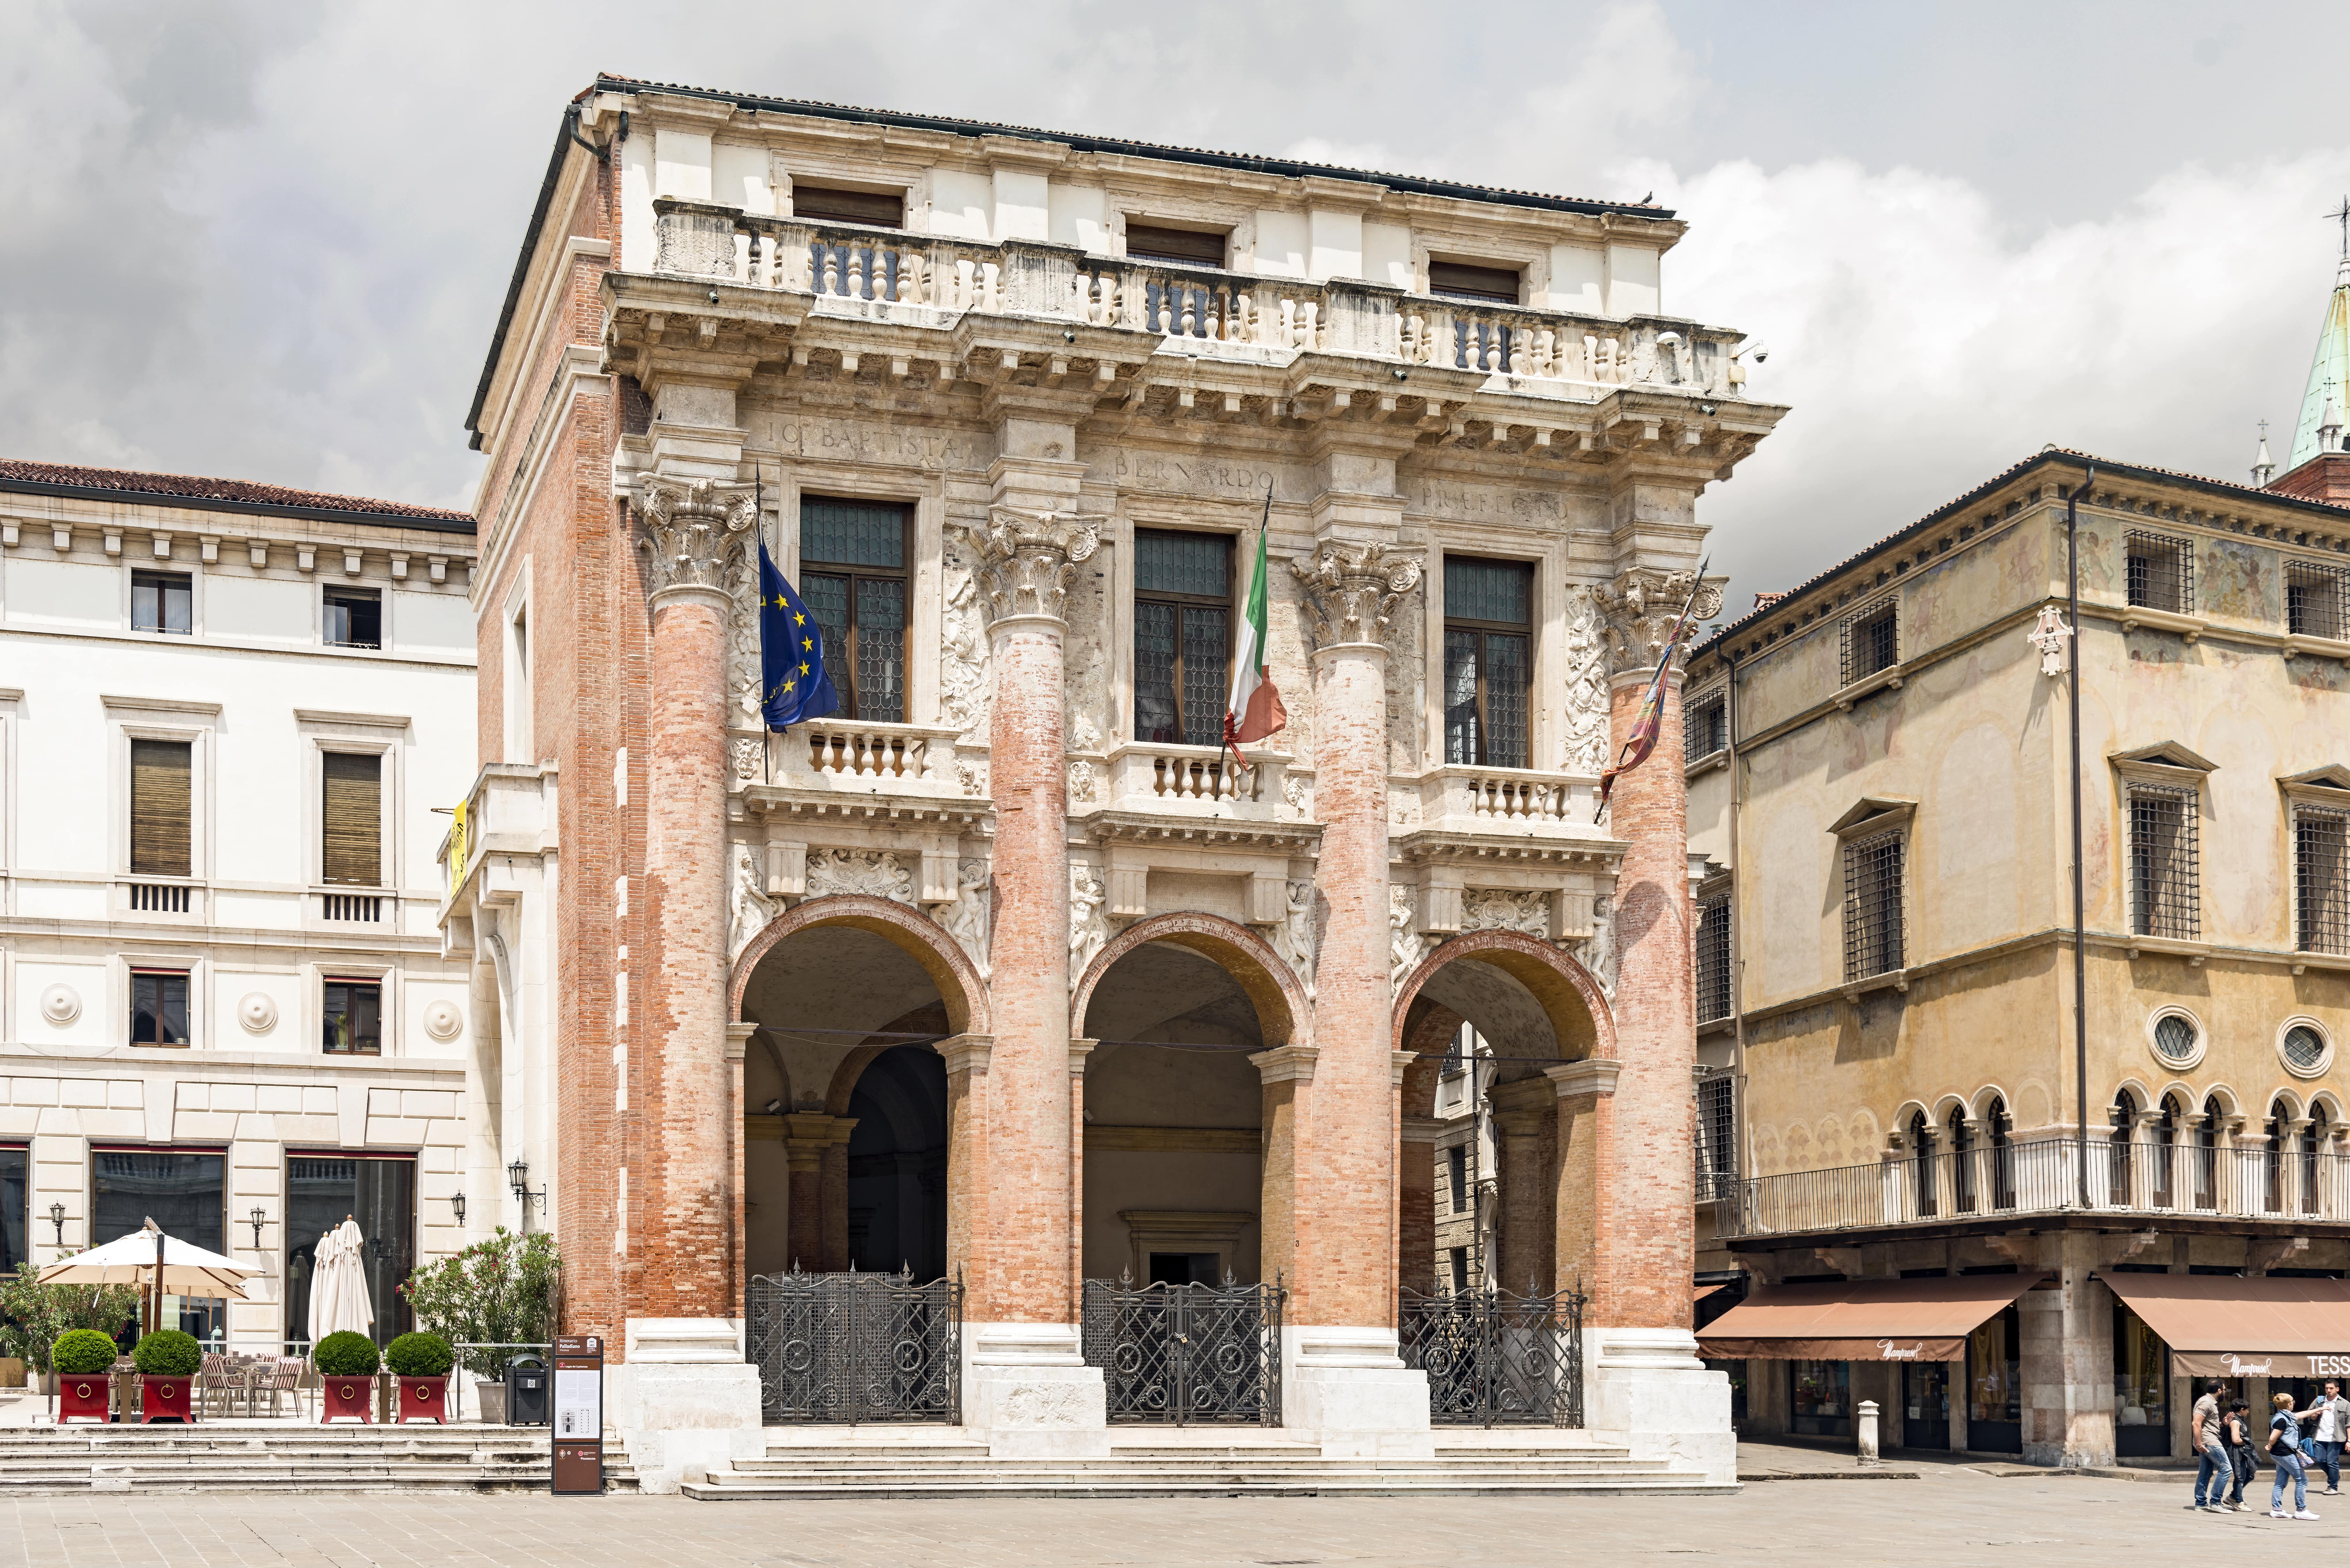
x,y
1027,1389
685,1401
1646,1388
1348,1389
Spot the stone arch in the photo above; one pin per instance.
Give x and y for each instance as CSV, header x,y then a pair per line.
x,y
1580,1018
1255,968
928,1019
912,932
1905,1118
1987,1096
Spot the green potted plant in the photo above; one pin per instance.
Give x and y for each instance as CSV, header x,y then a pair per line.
x,y
347,1365
33,1314
494,1297
82,1357
420,1361
167,1362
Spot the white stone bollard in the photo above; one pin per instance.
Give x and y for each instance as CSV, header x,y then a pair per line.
x,y
1867,1427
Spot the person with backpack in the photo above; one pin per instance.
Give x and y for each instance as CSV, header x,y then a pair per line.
x,y
2236,1436
2284,1452
2211,1465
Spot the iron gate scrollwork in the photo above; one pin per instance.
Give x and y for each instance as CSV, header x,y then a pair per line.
x,y
1187,1353
857,1347
1497,1359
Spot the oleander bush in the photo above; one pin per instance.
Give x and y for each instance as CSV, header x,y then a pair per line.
x,y
33,1315
419,1355
168,1353
497,1295
81,1352
346,1355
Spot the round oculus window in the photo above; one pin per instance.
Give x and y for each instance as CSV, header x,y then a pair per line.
x,y
2304,1049
2175,1038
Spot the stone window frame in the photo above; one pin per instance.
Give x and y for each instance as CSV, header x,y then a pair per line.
x,y
369,734
1559,587
1232,603
925,492
844,680
2175,1064
1169,514
309,1037
2322,792
2150,772
1531,628
2326,1059
1869,822
1714,694
1878,607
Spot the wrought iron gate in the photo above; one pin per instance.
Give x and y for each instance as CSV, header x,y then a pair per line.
x,y
1187,1353
857,1347
1496,1359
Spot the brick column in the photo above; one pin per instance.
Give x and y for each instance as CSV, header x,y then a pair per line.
x,y
1525,1114
1586,1141
1416,1206
816,1146
967,1057
692,534
1287,1074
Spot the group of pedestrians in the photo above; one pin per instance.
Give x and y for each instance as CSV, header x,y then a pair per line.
x,y
2230,1448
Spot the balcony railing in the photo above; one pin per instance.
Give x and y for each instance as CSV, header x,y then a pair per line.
x,y
924,280
1494,800
2041,1176
1199,781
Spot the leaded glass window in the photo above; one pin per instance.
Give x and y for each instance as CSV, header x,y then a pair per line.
x,y
853,575
1182,636
1488,661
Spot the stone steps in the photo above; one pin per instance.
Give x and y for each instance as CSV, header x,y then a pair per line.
x,y
885,1470
300,1460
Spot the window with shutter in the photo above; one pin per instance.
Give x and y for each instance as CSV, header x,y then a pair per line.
x,y
162,805
353,818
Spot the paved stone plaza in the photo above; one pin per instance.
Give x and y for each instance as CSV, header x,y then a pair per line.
x,y
1949,1515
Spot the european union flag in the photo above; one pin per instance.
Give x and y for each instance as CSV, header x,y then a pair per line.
x,y
791,652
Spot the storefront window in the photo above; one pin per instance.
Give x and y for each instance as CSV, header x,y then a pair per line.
x,y
13,1215
380,1196
1995,1386
1925,1405
2141,1381
1820,1398
184,1194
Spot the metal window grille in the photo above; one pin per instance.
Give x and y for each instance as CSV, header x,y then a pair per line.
x,y
2161,573
2321,852
1706,729
1713,959
2317,601
1872,904
1870,640
1717,1136
862,609
1488,661
158,897
2166,898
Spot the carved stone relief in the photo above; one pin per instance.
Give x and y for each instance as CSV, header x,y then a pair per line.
x,y
1596,952
1088,922
746,675
967,919
1084,736
1027,559
750,756
877,873
1351,590
692,535
1584,747
1641,608
750,907
962,656
1505,909
1405,947
1294,938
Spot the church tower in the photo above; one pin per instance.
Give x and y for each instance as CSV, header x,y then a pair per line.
x,y
2319,466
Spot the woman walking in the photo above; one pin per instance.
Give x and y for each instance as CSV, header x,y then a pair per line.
x,y
2236,1436
2284,1452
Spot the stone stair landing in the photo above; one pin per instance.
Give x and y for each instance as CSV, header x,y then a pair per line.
x,y
227,1456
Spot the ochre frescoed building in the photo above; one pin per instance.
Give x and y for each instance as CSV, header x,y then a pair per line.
x,y
1005,975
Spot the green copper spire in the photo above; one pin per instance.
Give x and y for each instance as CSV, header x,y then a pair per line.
x,y
2329,369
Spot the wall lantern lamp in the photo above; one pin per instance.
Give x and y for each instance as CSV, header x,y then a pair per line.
x,y
58,1218
257,1219
457,1206
518,1177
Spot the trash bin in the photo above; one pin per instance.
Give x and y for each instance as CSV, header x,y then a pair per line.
x,y
526,1390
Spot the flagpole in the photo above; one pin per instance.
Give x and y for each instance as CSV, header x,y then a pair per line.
x,y
1232,735
1643,739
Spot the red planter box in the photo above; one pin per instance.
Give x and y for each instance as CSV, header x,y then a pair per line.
x,y
341,1397
166,1399
424,1400
82,1397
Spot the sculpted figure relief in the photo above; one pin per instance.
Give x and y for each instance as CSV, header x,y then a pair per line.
x,y
1088,926
966,919
1404,944
693,534
1596,952
877,873
962,662
1352,590
1584,747
752,909
1294,938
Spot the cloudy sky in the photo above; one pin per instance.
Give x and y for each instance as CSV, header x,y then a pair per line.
x,y
270,241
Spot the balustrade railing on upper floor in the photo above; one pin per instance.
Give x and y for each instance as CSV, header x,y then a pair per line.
x,y
922,279
1488,800
1199,781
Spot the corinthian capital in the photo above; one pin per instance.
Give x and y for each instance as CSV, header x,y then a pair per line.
x,y
1027,559
692,530
1351,590
1641,608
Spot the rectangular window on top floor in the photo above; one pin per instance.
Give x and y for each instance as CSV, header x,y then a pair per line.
x,y
2160,573
1462,280
1870,640
1705,729
354,617
1177,247
2317,601
832,205
162,601
1182,636
853,573
1488,661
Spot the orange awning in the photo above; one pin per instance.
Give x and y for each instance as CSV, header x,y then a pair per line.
x,y
1700,1289
1863,1320
2221,1326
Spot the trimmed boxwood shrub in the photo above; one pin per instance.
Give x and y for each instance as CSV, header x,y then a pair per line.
x,y
82,1352
168,1353
346,1355
419,1355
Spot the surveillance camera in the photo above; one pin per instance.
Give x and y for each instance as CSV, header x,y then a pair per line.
x,y
1706,408
1399,374
1068,335
714,296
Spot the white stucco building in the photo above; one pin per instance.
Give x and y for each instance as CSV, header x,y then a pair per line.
x,y
226,711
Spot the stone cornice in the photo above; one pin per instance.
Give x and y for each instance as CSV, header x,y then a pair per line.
x,y
1302,838
1427,846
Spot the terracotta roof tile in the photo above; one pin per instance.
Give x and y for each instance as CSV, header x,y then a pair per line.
x,y
21,473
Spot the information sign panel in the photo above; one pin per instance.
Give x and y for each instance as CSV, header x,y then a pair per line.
x,y
577,1429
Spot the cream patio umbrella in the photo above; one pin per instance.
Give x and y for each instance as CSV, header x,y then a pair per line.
x,y
338,1287
160,1264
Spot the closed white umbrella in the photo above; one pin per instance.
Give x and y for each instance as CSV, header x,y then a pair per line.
x,y
322,1281
338,1290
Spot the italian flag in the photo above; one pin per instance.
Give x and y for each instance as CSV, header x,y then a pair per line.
x,y
1255,710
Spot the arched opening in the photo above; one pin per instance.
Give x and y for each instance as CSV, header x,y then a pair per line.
x,y
2274,1156
1922,1163
2313,1141
2121,1185
2207,1155
845,1128
2002,1154
1488,1142
2163,1156
1962,1147
1174,1109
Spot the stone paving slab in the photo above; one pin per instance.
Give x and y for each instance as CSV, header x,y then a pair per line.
x,y
1953,1517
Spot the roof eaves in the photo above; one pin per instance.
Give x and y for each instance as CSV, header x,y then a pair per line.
x,y
433,521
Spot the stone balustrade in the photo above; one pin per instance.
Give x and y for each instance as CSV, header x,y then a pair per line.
x,y
926,280
1196,781
865,758
1494,800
